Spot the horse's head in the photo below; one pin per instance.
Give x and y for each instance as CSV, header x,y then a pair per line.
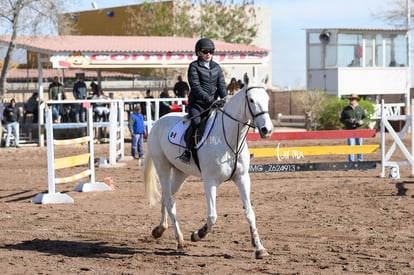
x,y
257,101
257,105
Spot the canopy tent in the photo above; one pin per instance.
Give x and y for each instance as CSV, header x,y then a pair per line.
x,y
102,52
126,52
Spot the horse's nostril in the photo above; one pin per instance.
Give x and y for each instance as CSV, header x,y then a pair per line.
x,y
263,130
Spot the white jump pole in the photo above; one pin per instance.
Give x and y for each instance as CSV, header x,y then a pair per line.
x,y
116,123
92,185
51,196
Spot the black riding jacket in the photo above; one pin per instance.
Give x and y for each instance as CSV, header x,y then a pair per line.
x,y
206,84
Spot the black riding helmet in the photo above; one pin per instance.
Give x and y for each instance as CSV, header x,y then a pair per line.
x,y
204,43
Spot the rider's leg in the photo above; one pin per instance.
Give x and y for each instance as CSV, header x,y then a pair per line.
x,y
194,113
189,140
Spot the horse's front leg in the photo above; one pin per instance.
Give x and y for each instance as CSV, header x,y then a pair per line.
x,y
243,183
170,206
210,190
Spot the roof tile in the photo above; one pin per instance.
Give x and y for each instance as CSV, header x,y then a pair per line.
x,y
89,43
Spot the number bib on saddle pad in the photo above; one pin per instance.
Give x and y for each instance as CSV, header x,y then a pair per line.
x,y
176,134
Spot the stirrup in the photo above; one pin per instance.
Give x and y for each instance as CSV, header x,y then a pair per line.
x,y
185,156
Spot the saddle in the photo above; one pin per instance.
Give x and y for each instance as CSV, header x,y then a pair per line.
x,y
198,132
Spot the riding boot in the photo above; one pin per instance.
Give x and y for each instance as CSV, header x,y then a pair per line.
x,y
189,140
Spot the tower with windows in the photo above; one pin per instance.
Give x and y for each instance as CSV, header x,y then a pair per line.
x,y
371,62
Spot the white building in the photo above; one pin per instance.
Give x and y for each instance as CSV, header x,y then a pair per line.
x,y
369,62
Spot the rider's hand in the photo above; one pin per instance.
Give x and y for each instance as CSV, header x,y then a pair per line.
x,y
219,103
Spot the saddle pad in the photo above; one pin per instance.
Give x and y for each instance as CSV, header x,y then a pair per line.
x,y
176,134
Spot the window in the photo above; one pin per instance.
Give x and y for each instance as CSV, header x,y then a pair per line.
x,y
368,57
350,51
315,56
396,53
379,51
358,49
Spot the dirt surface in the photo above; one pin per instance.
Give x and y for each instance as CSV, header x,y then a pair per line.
x,y
325,222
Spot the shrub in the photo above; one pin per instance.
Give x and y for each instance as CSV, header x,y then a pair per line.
x,y
329,116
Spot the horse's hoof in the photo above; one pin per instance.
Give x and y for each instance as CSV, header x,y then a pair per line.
x,y
260,254
195,237
181,248
157,232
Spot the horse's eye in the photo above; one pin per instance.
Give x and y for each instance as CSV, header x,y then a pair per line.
x,y
251,100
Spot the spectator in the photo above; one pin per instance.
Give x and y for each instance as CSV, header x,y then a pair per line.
x,y
241,84
181,88
100,108
31,107
233,86
207,84
137,130
353,117
95,89
165,106
56,92
148,95
79,92
12,117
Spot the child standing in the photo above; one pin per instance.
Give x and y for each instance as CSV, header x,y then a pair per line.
x,y
137,130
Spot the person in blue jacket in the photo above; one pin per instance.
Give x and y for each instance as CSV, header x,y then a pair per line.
x,y
137,130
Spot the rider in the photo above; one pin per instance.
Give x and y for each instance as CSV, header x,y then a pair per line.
x,y
207,83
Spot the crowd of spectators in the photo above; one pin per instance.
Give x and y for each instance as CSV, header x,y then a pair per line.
x,y
76,112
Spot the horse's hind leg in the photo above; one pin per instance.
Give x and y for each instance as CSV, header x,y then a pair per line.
x,y
163,170
168,204
177,181
159,229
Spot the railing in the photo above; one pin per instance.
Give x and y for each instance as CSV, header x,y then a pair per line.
x,y
390,109
290,121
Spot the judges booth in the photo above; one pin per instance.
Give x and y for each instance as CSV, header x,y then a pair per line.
x,y
371,62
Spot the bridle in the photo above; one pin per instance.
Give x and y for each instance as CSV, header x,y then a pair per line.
x,y
250,108
239,147
246,102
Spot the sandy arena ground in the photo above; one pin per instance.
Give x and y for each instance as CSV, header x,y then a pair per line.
x,y
327,222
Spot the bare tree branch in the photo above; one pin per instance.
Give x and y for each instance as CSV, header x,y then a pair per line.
x,y
29,17
395,13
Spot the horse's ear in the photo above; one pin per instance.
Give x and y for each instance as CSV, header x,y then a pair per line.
x,y
246,79
266,79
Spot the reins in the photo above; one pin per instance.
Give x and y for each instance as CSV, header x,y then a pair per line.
x,y
238,147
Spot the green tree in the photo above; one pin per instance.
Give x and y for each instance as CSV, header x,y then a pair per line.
x,y
151,18
229,21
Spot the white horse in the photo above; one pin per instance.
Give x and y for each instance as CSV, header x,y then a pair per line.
x,y
223,156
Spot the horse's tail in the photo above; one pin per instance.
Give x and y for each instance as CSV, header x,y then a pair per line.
x,y
150,180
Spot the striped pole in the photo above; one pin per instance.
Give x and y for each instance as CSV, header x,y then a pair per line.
x,y
67,162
